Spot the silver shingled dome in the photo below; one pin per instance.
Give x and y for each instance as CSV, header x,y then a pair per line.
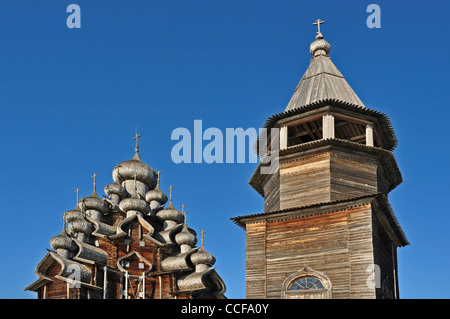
x,y
203,257
127,170
63,241
320,46
186,237
171,213
115,188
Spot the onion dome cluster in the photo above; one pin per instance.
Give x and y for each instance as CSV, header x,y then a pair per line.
x,y
136,192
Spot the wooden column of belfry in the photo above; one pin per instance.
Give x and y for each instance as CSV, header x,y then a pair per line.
x,y
327,230
369,135
283,137
328,126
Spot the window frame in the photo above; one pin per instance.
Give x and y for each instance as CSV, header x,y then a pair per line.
x,y
304,273
306,283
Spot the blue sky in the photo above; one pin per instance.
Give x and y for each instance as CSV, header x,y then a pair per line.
x,y
71,99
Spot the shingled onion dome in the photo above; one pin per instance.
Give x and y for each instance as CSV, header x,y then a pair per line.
x,y
186,238
320,46
202,259
115,191
94,206
156,197
170,215
134,205
126,171
79,225
63,244
82,228
73,214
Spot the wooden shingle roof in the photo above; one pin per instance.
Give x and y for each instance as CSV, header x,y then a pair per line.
x,y
322,80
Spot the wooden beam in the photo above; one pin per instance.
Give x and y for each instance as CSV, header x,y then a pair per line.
x,y
304,120
359,137
300,134
313,124
305,126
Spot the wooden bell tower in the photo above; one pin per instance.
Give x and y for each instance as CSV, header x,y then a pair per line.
x,y
327,230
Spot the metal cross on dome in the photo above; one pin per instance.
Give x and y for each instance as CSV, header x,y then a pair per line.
x,y
137,141
184,212
202,233
78,194
318,23
64,220
170,193
135,182
95,182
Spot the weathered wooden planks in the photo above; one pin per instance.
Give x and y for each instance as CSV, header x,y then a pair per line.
x,y
337,244
305,181
352,175
327,175
272,192
256,261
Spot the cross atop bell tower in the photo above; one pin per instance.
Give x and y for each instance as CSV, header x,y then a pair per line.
x,y
318,23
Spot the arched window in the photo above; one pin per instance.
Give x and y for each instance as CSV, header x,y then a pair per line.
x,y
306,284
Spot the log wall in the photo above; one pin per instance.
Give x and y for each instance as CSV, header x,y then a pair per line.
x,y
324,176
337,244
305,181
352,175
272,192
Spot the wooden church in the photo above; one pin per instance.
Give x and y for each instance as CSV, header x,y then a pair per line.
x,y
127,245
327,230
